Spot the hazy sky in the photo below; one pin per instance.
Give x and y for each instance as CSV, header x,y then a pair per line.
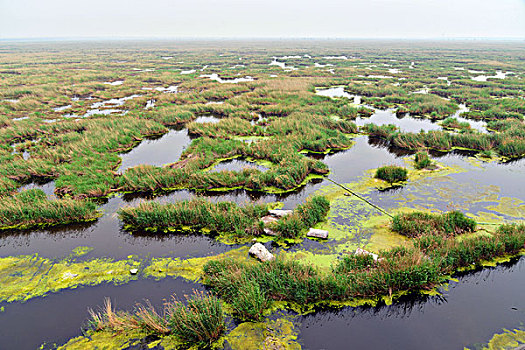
x,y
268,18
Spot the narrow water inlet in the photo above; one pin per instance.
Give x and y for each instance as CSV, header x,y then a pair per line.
x,y
166,149
47,187
206,119
338,91
237,165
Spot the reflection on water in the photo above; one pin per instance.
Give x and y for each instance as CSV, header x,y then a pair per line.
x,y
406,123
499,75
114,83
170,89
166,149
62,108
283,65
105,107
469,311
237,165
216,77
478,125
108,239
47,186
206,119
338,91
59,316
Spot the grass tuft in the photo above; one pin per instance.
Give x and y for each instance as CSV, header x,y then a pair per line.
x,y
391,174
419,223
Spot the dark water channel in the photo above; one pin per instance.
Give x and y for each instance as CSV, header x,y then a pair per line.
x,y
46,320
479,305
467,314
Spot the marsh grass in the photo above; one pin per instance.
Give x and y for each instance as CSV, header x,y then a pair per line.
x,y
197,321
391,174
304,216
422,160
31,208
289,168
419,223
453,123
508,142
421,264
225,217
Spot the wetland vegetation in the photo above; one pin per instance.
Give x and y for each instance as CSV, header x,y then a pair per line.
x,y
164,162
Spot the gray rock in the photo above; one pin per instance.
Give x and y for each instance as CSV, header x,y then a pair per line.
x,y
360,251
314,232
270,232
280,212
260,252
268,219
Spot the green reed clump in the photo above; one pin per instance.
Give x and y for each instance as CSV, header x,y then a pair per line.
x,y
453,123
422,160
247,299
225,128
419,223
354,262
197,322
453,253
421,264
250,301
391,173
221,217
508,142
277,280
31,208
4,121
304,216
168,115
504,125
286,280
512,148
365,112
436,107
383,131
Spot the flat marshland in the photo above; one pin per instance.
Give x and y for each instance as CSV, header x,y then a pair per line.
x,y
384,178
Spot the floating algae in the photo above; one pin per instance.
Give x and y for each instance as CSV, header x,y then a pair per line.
x,y
106,340
508,340
29,276
352,223
190,269
271,334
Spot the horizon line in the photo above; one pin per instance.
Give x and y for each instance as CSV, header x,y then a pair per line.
x,y
188,38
